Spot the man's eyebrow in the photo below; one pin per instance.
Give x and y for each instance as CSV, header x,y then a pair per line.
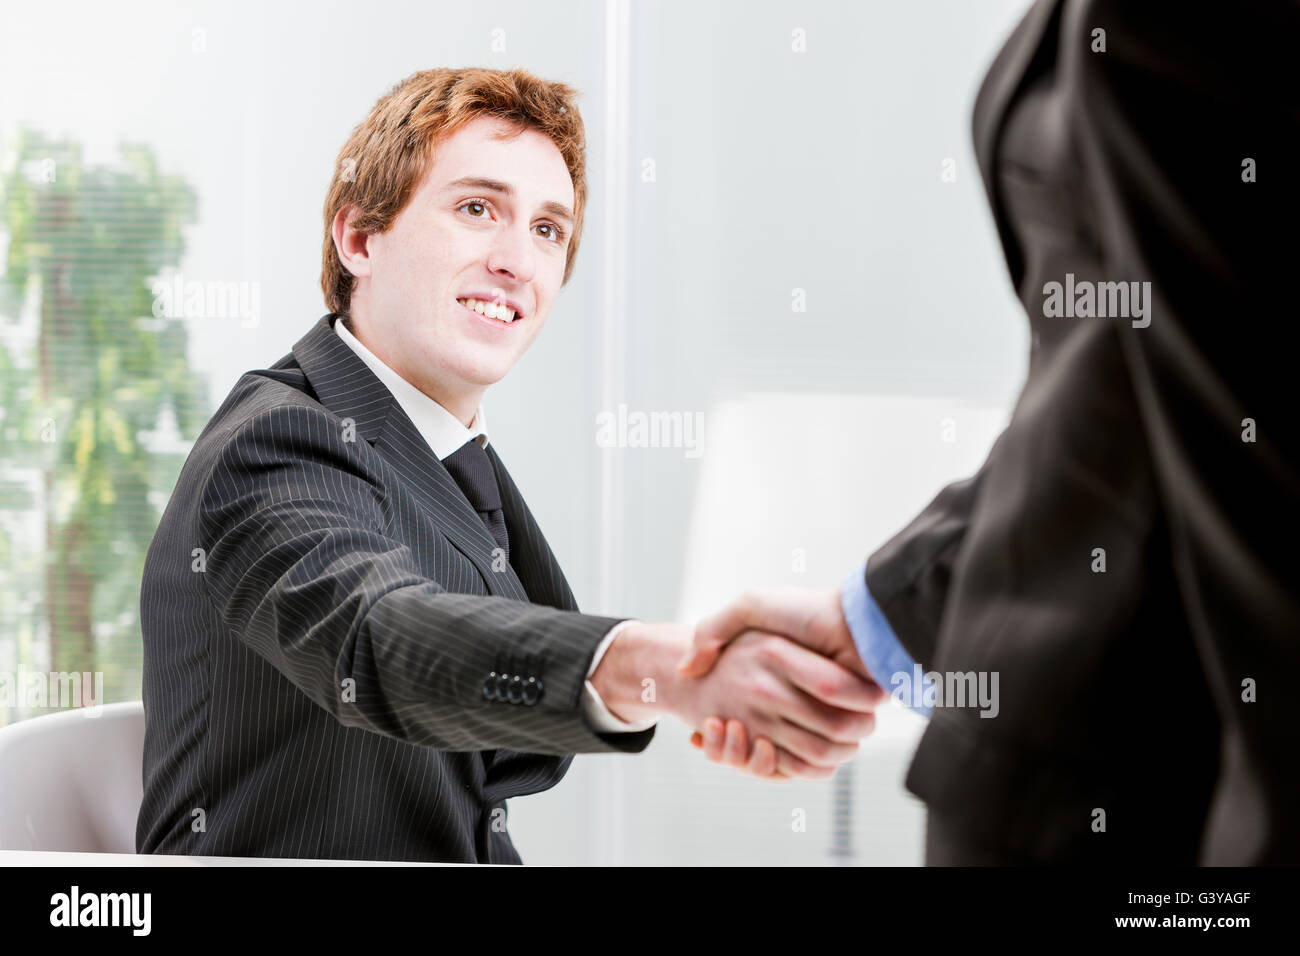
x,y
559,210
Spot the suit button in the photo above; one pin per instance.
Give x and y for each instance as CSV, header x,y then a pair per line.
x,y
490,686
503,681
532,691
515,692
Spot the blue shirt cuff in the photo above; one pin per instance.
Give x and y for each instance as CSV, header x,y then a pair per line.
x,y
888,664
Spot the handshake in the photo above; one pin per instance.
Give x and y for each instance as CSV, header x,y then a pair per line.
x,y
772,684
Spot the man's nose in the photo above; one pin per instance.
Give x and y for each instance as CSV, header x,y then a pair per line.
x,y
513,254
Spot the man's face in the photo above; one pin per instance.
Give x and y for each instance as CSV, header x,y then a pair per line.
x,y
489,222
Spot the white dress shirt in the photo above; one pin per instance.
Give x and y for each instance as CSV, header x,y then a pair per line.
x,y
444,433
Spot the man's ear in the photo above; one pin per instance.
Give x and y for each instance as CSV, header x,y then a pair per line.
x,y
349,243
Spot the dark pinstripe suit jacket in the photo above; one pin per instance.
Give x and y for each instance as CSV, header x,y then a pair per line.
x,y
321,615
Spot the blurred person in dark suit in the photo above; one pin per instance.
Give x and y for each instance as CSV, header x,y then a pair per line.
x,y
1125,561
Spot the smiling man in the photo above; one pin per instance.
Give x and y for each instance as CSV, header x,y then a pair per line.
x,y
463,280
357,641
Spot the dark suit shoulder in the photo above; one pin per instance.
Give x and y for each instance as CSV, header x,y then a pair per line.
x,y
282,385
272,418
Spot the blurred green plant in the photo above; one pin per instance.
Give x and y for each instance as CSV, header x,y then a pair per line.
x,y
81,396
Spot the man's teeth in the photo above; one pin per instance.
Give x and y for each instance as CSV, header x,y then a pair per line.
x,y
492,310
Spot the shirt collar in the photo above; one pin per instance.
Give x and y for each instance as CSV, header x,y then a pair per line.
x,y
440,428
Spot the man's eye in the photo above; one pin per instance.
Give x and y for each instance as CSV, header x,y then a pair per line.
x,y
477,209
552,231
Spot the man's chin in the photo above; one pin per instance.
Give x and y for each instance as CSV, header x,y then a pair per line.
x,y
483,374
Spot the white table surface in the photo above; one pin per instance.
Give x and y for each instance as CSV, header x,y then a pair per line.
x,y
51,858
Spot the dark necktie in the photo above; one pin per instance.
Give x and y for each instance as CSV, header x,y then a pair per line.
x,y
472,469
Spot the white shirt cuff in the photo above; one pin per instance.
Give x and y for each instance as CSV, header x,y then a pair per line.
x,y
597,713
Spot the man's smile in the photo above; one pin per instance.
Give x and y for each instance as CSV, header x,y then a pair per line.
x,y
499,312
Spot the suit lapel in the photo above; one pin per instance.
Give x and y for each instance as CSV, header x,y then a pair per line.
x,y
1005,78
530,555
406,450
347,387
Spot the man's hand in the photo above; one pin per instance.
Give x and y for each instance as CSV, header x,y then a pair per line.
x,y
811,711
813,618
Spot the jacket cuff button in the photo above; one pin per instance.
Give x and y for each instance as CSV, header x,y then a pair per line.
x,y
532,691
515,691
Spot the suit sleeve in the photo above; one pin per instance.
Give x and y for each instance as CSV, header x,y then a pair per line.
x,y
909,575
1189,127
300,570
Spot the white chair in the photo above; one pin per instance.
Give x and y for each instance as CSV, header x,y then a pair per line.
x,y
72,782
